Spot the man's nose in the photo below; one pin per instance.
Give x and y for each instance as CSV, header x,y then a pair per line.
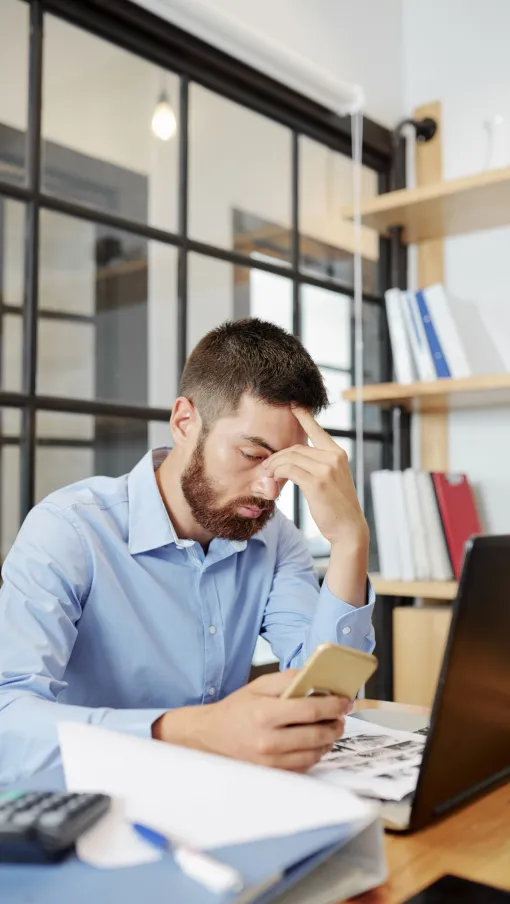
x,y
267,487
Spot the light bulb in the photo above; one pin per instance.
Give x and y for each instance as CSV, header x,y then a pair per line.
x,y
164,122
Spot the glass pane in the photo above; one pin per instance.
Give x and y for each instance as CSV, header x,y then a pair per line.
x,y
373,455
71,447
327,240
12,215
373,343
270,298
12,238
99,144
14,36
212,291
107,319
218,291
239,163
326,326
286,500
327,334
258,237
374,355
339,414
12,342
10,428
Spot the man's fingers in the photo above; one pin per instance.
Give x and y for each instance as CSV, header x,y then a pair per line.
x,y
289,470
292,740
328,456
290,457
319,456
307,710
313,430
301,761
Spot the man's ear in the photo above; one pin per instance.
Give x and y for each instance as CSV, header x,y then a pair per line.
x,y
185,422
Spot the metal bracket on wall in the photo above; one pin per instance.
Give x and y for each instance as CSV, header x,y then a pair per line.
x,y
425,129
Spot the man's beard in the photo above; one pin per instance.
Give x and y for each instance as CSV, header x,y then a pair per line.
x,y
221,521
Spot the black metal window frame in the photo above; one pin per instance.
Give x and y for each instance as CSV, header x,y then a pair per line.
x,y
127,25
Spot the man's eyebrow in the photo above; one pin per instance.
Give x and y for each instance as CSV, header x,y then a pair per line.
x,y
258,441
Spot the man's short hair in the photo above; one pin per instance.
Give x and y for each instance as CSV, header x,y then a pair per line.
x,y
252,356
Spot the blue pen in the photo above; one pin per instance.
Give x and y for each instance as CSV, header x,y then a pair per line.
x,y
218,877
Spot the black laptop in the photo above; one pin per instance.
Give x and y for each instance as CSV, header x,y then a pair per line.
x,y
467,750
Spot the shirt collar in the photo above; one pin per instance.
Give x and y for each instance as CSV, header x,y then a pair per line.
x,y
149,524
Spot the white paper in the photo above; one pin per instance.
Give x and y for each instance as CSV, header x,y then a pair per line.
x,y
204,800
112,842
373,761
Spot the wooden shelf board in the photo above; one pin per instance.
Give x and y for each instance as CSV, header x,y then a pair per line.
x,y
433,590
439,395
453,207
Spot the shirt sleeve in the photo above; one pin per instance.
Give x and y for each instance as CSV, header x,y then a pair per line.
x,y
46,576
298,616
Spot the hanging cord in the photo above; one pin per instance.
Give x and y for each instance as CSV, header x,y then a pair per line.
x,y
357,140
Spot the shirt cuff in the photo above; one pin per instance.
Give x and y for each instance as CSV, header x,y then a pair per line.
x,y
338,622
137,722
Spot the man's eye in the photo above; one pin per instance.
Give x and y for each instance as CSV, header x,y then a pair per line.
x,y
252,457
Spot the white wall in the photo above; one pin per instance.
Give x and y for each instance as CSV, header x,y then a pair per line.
x,y
456,51
356,41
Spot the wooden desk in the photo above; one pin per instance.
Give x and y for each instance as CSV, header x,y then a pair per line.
x,y
474,843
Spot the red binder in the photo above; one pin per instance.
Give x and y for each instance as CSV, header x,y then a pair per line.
x,y
458,513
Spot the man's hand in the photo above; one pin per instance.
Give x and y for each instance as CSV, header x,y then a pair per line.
x,y
322,473
256,725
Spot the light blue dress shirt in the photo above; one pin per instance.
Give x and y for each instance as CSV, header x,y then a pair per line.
x,y
107,617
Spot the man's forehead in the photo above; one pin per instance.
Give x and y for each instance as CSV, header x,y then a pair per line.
x,y
274,424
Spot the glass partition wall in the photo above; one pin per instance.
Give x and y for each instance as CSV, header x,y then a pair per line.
x,y
124,237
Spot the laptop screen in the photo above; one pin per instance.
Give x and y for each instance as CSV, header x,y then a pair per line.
x,y
468,744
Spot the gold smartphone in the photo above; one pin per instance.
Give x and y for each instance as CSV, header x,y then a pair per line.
x,y
332,669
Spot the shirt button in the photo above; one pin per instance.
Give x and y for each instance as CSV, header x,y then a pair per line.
x,y
346,630
212,630
212,691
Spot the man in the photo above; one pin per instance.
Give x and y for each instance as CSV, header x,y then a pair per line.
x,y
130,602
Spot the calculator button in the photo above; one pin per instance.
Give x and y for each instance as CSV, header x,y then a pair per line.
x,y
74,805
59,798
50,820
17,808
6,806
22,820
29,799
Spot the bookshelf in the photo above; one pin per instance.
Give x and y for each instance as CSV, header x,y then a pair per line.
x,y
415,635
438,395
453,207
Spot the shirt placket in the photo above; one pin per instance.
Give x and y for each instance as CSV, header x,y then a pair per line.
x,y
214,640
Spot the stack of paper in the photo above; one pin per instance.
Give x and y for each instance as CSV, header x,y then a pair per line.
x,y
373,761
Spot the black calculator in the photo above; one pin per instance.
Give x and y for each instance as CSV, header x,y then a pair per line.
x,y
42,826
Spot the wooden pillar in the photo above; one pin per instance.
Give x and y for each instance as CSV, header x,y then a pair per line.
x,y
429,171
419,634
